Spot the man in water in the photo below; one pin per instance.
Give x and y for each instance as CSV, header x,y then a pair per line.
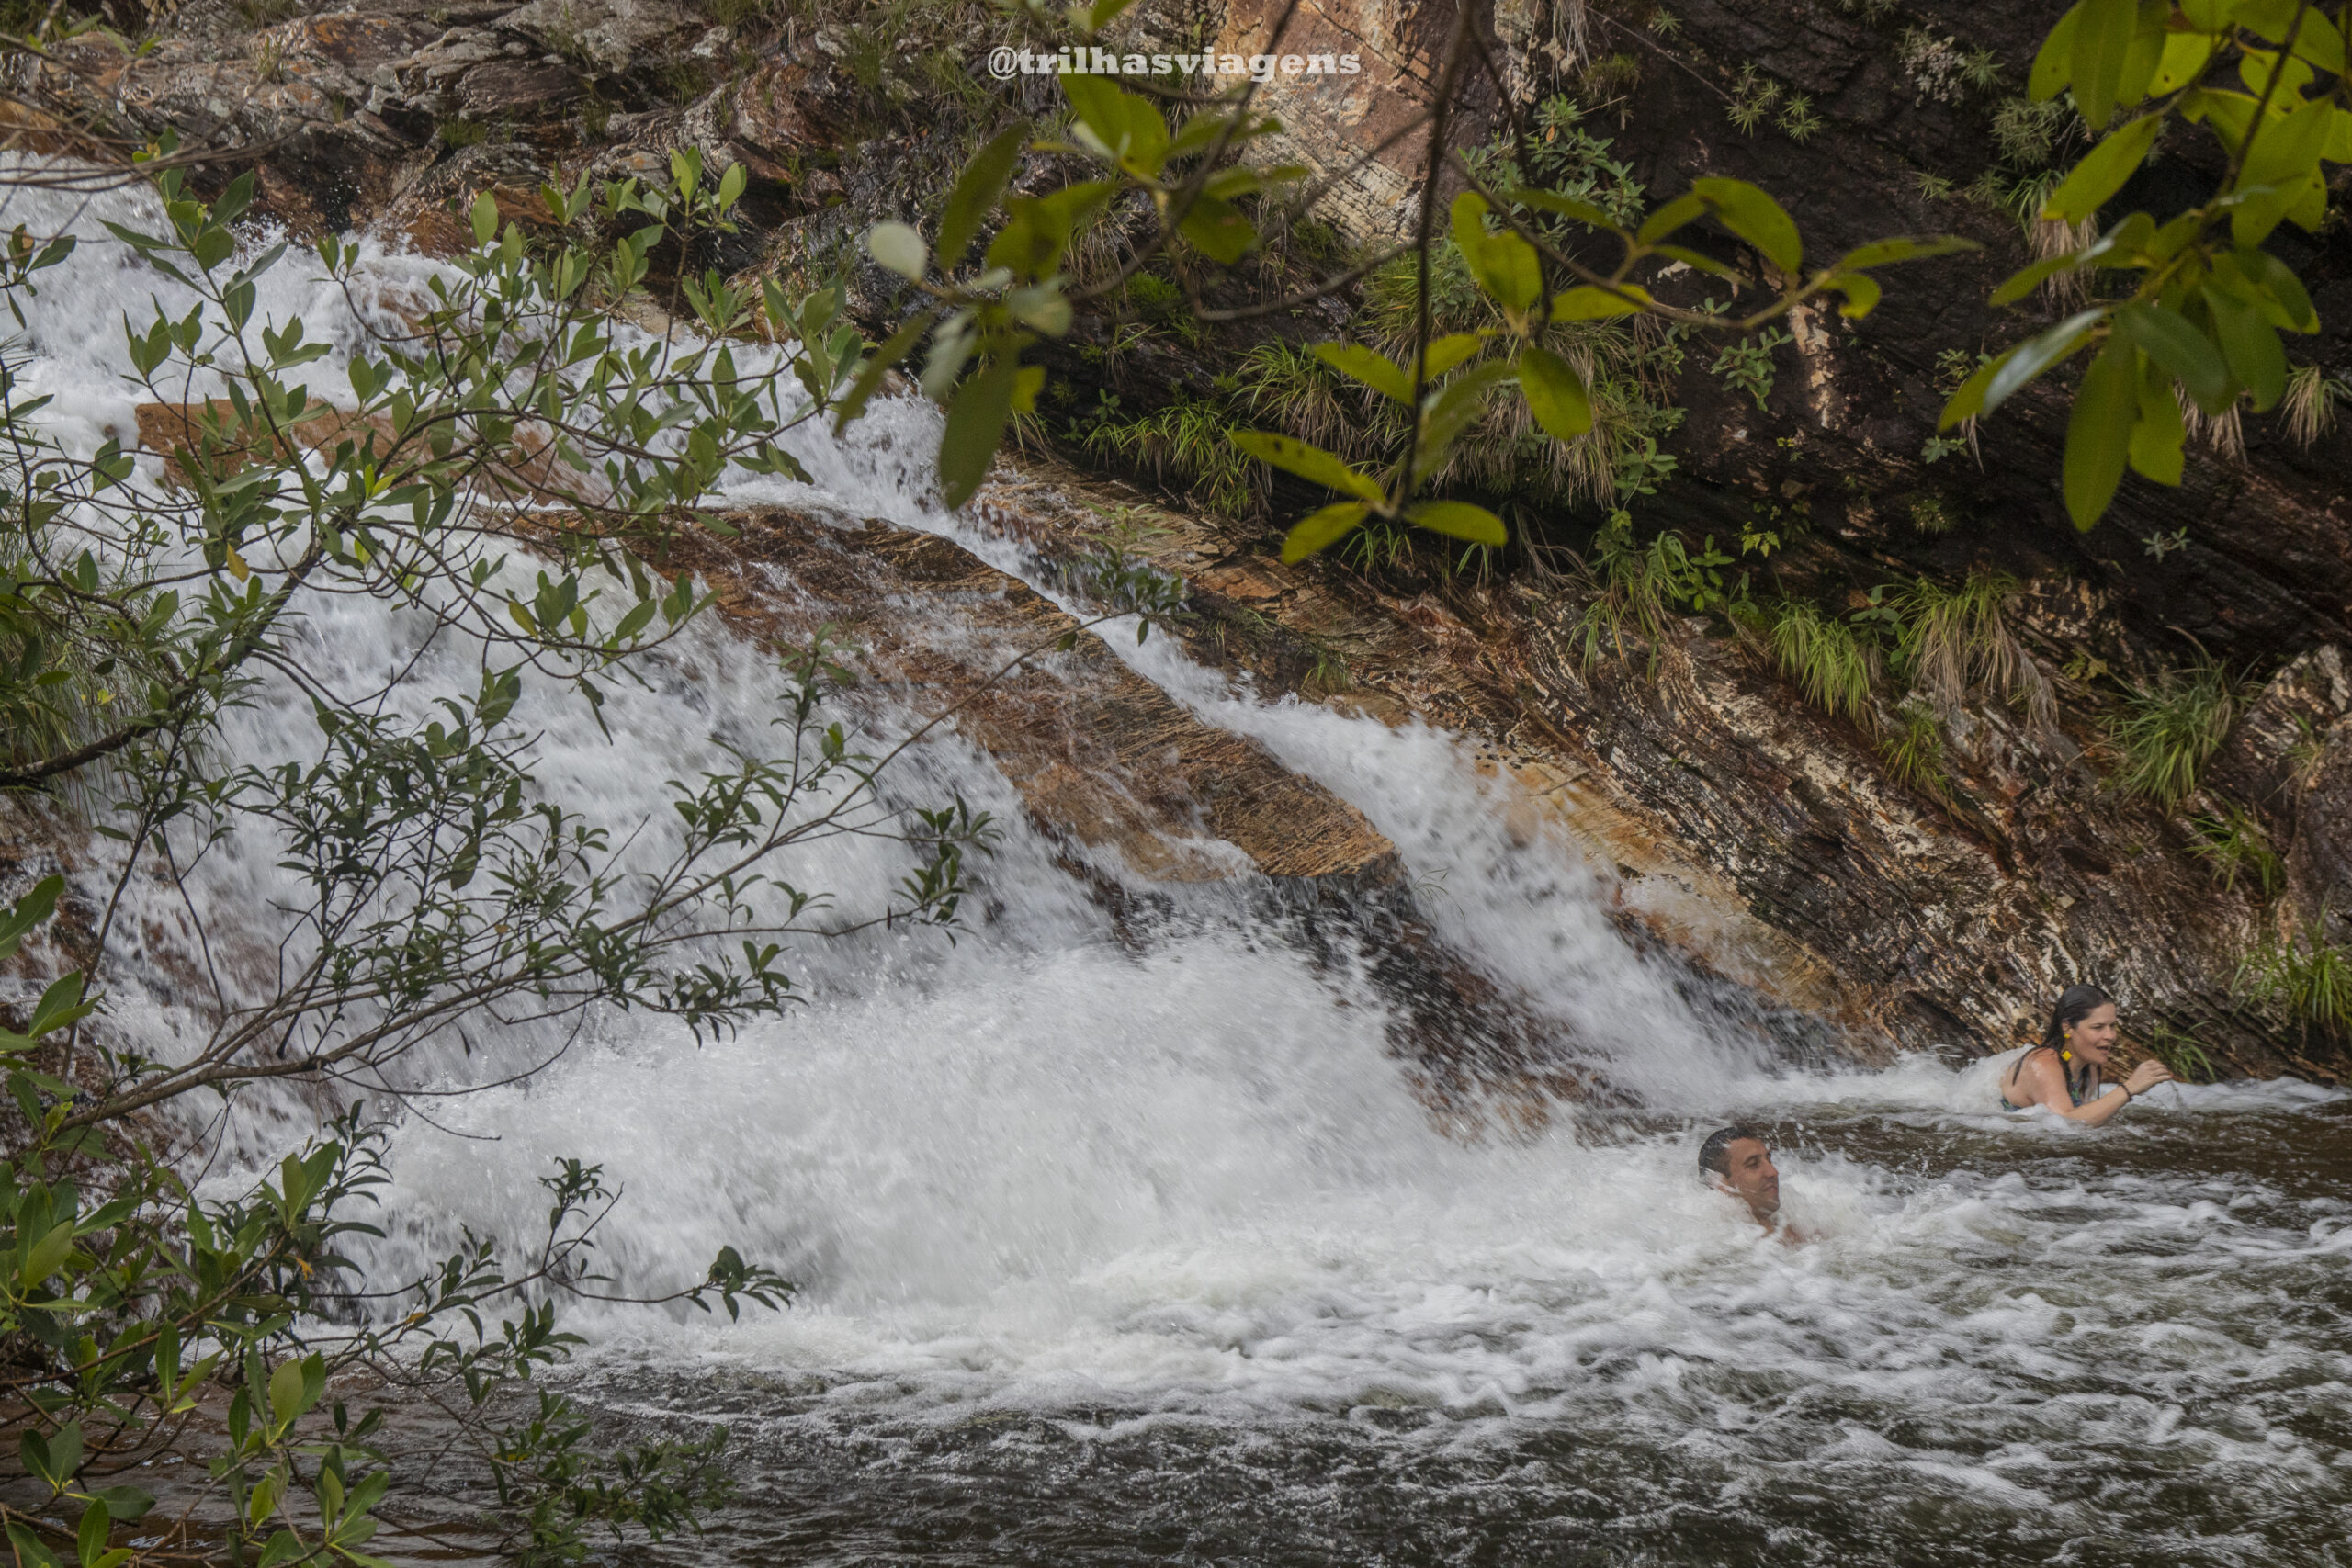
x,y
1736,1160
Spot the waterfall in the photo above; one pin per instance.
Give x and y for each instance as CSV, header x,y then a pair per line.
x,y
1127,1173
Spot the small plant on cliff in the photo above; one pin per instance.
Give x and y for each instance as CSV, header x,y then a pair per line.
x,y
2234,843
1185,445
1747,366
2181,1052
1958,639
1913,750
1638,588
2167,731
1829,660
2306,977
1753,96
2310,403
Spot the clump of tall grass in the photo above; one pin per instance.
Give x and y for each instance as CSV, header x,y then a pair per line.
x,y
1292,391
2167,732
1184,446
1826,659
1954,639
2233,843
2181,1052
2310,403
2305,975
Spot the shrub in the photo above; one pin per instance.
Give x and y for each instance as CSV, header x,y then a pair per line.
x,y
1957,639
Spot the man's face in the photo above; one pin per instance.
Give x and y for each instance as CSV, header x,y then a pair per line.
x,y
1752,1177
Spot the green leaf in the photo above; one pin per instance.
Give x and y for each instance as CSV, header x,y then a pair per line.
x,y
2250,344
2270,285
2054,63
1320,530
1505,266
2156,438
1682,209
2145,53
1582,211
975,425
1899,248
125,1504
1375,369
1756,218
1860,291
91,1538
1587,303
2098,434
2102,172
1453,411
1555,394
1308,462
29,912
869,379
1217,230
2185,59
1095,101
977,189
2025,280
1445,353
1509,270
48,1255
1993,385
898,247
1459,519
2285,155
485,218
31,1552
2103,36
2167,338
286,1390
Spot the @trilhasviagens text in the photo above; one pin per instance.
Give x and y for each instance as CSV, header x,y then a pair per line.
x,y
1006,61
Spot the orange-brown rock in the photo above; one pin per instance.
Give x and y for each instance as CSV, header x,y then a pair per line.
x,y
175,428
1098,752
172,429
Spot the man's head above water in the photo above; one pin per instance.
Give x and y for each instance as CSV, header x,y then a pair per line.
x,y
1738,1161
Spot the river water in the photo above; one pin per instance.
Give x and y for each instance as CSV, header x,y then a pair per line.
x,y
1129,1238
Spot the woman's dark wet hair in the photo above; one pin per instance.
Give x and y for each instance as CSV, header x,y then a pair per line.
x,y
1714,1155
2076,1003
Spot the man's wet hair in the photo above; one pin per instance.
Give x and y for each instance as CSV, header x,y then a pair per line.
x,y
1714,1155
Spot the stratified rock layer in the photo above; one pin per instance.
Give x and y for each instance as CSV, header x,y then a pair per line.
x,y
1097,751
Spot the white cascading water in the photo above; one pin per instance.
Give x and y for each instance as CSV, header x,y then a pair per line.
x,y
1053,1170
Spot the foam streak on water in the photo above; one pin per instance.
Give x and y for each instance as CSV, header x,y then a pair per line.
x,y
1117,1247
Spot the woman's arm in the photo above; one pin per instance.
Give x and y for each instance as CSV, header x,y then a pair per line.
x,y
2044,1081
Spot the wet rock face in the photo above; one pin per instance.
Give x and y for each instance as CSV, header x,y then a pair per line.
x,y
1098,752
1764,836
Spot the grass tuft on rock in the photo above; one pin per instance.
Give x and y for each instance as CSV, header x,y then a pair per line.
x,y
2168,731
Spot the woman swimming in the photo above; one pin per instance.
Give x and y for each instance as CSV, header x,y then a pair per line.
x,y
2062,1072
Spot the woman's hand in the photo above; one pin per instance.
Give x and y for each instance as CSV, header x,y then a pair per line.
x,y
2147,1076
